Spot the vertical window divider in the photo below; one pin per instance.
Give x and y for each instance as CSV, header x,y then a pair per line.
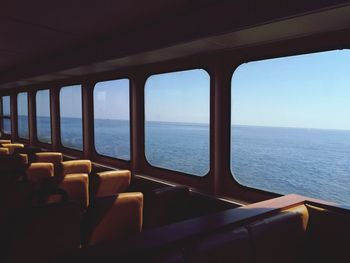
x,y
2,117
88,119
32,117
137,119
221,123
55,118
13,106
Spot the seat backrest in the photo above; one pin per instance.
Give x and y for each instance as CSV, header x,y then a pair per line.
x,y
28,150
114,218
55,158
328,235
110,183
76,166
42,232
280,238
4,151
3,141
77,187
229,246
166,205
39,172
49,157
12,146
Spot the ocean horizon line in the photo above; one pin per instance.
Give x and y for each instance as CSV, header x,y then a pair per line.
x,y
205,124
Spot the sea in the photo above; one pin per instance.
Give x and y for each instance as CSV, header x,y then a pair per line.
x,y
310,162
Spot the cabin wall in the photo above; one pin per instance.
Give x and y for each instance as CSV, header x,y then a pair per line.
x,y
219,65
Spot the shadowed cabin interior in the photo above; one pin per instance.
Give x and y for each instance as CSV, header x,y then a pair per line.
x,y
74,189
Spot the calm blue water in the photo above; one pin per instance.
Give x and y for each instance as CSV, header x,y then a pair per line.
x,y
310,162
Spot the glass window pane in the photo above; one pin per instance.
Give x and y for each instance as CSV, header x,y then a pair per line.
x,y
6,112
111,118
6,108
22,113
291,126
6,126
71,117
177,121
43,121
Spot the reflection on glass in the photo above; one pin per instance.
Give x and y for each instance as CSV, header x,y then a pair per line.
x,y
43,122
71,117
111,118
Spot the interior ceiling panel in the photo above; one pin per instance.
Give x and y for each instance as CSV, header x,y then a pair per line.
x,y
42,37
7,56
91,17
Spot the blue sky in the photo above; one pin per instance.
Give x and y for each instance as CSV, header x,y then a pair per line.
x,y
43,103
6,105
178,97
306,91
70,101
22,103
111,99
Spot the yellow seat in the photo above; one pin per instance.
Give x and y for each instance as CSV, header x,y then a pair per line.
x,y
55,158
115,218
77,188
76,166
4,151
24,158
111,183
5,142
12,146
49,157
38,172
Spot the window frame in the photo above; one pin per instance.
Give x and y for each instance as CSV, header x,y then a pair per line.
x,y
95,152
174,173
257,193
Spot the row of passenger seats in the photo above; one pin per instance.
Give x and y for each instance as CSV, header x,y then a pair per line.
x,y
59,206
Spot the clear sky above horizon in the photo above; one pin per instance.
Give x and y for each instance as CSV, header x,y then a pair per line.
x,y
182,96
306,91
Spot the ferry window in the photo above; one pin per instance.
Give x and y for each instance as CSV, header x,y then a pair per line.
x,y
43,121
6,114
22,113
112,118
177,121
71,117
290,128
